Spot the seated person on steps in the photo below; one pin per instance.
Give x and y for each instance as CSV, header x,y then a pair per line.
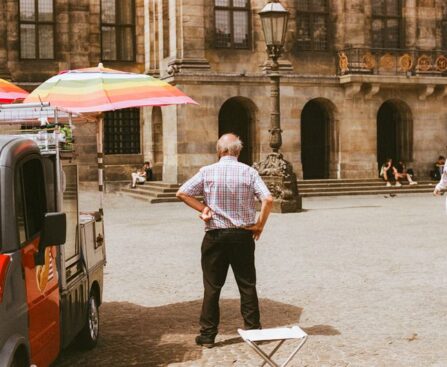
x,y
403,172
390,173
142,175
438,168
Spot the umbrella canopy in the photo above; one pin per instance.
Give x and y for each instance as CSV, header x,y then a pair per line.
x,y
101,89
10,92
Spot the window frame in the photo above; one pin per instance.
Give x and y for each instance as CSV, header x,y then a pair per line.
x,y
231,9
36,24
109,137
384,17
25,205
118,26
312,14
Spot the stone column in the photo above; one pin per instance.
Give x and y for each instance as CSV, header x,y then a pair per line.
x,y
4,73
354,13
79,33
409,14
189,46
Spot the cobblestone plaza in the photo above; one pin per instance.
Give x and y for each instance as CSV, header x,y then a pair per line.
x,y
364,276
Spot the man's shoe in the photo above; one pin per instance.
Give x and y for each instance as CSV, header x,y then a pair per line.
x,y
388,184
413,183
398,184
205,341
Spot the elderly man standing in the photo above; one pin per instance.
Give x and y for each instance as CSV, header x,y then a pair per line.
x,y
229,189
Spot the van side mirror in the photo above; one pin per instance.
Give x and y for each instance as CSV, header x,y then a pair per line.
x,y
54,230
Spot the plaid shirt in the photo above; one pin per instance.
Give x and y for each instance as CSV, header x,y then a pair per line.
x,y
229,189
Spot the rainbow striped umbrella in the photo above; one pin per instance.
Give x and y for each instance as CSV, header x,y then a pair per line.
x,y
101,89
10,92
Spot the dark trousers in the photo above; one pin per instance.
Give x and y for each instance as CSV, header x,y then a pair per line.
x,y
220,249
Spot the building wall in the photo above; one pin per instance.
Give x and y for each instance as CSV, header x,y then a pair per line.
x,y
77,45
212,76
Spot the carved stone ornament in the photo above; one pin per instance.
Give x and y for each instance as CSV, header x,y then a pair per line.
x,y
278,176
406,62
274,165
441,63
343,62
369,61
424,63
387,62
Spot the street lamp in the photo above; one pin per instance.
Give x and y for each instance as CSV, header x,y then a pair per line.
x,y
275,170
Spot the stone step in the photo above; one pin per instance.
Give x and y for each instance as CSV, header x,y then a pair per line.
x,y
366,188
357,184
388,190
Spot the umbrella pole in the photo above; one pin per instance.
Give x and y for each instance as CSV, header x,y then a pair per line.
x,y
99,135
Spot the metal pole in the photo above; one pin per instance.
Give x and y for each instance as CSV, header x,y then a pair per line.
x,y
99,135
275,114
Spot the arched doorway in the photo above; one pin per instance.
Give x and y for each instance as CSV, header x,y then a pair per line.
x,y
157,141
236,116
394,132
315,140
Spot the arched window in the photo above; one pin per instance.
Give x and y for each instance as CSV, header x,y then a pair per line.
x,y
122,131
312,25
118,30
386,23
232,23
36,29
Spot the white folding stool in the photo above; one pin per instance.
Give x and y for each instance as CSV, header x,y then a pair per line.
x,y
281,334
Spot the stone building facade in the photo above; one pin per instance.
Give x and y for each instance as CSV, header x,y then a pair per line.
x,y
39,38
362,80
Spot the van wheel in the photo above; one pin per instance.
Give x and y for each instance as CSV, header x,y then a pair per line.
x,y
90,333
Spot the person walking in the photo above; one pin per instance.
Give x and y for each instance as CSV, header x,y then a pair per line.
x,y
229,189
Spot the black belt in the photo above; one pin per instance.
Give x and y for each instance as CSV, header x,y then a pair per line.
x,y
229,230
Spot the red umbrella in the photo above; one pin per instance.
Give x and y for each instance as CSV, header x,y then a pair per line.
x,y
10,92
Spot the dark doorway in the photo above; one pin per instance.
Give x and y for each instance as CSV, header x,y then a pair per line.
x,y
315,141
394,132
387,133
235,118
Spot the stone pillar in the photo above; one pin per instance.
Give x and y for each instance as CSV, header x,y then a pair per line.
x,y
4,73
354,13
170,139
426,13
190,28
79,33
409,14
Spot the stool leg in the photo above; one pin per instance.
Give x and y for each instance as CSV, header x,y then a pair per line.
x,y
294,352
273,351
264,356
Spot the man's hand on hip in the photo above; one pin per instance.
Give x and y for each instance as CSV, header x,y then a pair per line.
x,y
256,229
206,215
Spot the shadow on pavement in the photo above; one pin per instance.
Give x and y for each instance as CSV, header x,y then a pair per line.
x,y
133,335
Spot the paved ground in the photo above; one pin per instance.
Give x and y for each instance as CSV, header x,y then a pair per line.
x,y
364,276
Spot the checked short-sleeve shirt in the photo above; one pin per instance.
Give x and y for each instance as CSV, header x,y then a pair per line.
x,y
230,189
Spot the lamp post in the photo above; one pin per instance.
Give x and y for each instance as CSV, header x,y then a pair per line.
x,y
275,170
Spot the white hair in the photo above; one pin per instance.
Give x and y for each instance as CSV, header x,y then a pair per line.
x,y
230,146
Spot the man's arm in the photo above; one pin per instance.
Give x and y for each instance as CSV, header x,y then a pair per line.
x,y
442,183
266,207
206,213
187,193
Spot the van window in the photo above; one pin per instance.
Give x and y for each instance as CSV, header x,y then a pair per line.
x,y
30,199
70,207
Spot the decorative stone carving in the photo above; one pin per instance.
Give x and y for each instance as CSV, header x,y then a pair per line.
x,y
343,62
406,63
387,61
280,179
424,63
372,91
426,91
441,63
369,61
352,89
